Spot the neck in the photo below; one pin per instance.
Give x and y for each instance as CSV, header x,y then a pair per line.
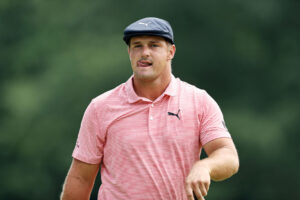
x,y
151,89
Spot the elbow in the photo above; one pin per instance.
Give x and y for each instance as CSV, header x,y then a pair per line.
x,y
62,195
235,166
228,170
235,163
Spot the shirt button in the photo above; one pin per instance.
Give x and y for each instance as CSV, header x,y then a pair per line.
x,y
152,105
151,118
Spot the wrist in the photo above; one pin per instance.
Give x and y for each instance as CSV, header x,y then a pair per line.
x,y
203,164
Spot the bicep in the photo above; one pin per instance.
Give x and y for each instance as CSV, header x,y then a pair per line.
x,y
79,181
82,171
222,158
220,144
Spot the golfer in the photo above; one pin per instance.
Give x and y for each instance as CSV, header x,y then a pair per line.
x,y
146,135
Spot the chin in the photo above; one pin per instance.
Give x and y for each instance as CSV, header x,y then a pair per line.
x,y
144,76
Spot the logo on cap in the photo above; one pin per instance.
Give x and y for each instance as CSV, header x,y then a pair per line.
x,y
146,24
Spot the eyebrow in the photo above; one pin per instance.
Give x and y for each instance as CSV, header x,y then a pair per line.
x,y
152,41
137,42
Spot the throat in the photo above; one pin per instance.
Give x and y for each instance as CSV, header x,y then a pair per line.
x,y
150,90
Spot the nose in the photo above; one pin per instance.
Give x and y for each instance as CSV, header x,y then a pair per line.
x,y
145,52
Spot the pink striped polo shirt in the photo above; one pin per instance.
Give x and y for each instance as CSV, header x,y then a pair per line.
x,y
147,148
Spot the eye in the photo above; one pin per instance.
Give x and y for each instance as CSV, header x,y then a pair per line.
x,y
154,45
137,46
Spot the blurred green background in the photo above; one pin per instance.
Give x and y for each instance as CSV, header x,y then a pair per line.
x,y
55,56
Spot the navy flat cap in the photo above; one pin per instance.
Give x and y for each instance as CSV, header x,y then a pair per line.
x,y
149,26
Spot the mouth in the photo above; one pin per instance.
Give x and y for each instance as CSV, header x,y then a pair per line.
x,y
144,63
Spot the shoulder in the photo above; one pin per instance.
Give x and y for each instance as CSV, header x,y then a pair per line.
x,y
190,89
115,93
113,96
195,95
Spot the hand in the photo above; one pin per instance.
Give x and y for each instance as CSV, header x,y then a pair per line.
x,y
198,181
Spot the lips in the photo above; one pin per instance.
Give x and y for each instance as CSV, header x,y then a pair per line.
x,y
144,63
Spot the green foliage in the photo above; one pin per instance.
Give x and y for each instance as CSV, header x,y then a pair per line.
x,y
55,56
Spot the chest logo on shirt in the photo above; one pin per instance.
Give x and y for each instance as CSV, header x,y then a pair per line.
x,y
173,114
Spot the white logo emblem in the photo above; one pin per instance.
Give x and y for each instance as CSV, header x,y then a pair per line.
x,y
146,24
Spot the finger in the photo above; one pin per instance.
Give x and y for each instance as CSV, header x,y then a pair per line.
x,y
189,192
196,190
196,198
202,190
207,186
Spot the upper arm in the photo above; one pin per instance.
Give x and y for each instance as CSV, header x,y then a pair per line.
x,y
220,144
91,137
83,171
211,121
222,158
79,181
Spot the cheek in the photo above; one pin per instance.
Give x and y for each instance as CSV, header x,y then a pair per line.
x,y
133,56
163,57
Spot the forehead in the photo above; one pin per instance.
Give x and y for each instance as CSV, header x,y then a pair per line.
x,y
146,38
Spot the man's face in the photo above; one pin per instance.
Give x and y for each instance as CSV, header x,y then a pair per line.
x,y
150,57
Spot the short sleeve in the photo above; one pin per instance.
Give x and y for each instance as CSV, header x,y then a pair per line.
x,y
90,141
212,124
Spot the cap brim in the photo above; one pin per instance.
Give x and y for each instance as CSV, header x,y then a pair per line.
x,y
129,35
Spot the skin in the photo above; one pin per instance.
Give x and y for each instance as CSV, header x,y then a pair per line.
x,y
222,162
150,58
79,181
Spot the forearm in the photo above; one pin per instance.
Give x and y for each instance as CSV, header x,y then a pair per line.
x,y
79,181
76,189
222,163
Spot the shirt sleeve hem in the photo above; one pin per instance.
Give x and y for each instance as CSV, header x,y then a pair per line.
x,y
215,136
84,159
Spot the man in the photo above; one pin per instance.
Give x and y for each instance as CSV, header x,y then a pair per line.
x,y
147,134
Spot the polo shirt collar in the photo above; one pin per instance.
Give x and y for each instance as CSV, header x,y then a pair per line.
x,y
133,97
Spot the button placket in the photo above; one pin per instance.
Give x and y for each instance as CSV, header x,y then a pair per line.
x,y
150,112
150,120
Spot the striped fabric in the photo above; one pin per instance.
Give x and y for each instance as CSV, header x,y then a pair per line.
x,y
146,148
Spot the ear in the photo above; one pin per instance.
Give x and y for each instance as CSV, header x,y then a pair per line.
x,y
171,51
